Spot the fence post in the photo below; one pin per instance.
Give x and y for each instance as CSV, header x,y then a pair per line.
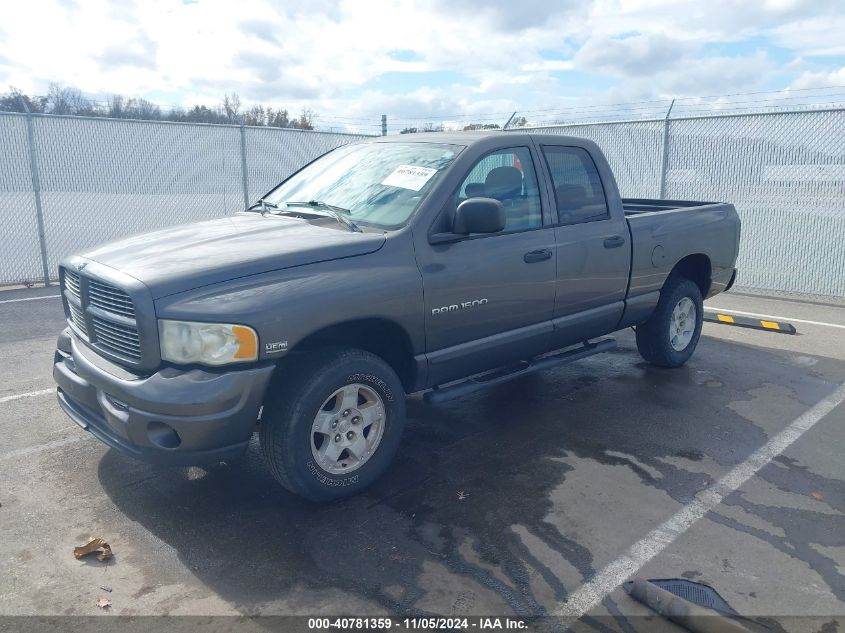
x,y
664,161
36,190
384,125
508,122
243,167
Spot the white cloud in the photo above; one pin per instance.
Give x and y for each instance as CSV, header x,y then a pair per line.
x,y
823,79
327,54
633,55
716,75
816,36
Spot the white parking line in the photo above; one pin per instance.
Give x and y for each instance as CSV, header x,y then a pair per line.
x,y
38,448
31,394
603,583
30,299
777,318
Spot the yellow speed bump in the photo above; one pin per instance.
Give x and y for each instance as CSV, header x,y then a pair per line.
x,y
749,322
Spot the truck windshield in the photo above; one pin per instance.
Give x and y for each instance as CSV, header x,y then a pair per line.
x,y
379,184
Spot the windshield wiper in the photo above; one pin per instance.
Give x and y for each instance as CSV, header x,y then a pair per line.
x,y
264,206
336,212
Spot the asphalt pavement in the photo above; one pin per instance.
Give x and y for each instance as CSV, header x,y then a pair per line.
x,y
533,498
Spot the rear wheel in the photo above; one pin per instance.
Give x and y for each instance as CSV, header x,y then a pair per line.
x,y
671,334
332,424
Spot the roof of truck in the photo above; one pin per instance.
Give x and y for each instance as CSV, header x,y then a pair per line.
x,y
456,138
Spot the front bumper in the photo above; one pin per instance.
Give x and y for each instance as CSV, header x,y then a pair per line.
x,y
174,416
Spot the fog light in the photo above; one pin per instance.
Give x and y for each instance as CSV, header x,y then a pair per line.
x,y
163,435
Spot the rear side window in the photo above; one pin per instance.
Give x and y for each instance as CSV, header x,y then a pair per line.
x,y
578,190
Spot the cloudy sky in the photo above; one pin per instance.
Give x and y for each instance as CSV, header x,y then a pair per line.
x,y
425,59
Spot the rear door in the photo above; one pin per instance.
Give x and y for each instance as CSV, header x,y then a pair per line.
x,y
593,247
489,298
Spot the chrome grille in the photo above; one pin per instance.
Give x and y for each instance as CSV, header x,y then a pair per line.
x,y
119,338
72,284
77,318
110,299
104,314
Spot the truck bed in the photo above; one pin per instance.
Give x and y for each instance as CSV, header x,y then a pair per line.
x,y
664,232
633,206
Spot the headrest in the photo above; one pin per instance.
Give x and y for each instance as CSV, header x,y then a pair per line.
x,y
474,190
570,196
503,183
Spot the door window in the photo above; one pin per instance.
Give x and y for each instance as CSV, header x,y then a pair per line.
x,y
508,176
578,190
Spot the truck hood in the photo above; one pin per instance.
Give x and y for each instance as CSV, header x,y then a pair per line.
x,y
185,257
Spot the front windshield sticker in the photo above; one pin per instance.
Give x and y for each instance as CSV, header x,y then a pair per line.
x,y
409,177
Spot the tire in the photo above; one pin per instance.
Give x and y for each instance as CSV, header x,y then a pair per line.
x,y
655,340
315,391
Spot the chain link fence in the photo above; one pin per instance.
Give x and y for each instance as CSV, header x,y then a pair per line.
x,y
93,179
784,172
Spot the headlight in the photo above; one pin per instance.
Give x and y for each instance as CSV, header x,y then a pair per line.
x,y
206,343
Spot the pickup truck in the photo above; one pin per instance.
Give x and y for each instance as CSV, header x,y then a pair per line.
x,y
440,263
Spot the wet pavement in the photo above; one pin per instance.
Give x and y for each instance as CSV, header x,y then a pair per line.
x,y
504,502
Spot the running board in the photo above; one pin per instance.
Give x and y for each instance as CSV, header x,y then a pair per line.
x,y
499,376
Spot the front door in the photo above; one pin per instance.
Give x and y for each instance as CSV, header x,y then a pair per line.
x,y
489,298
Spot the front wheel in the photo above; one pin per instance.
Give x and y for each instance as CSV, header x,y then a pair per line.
x,y
671,334
332,423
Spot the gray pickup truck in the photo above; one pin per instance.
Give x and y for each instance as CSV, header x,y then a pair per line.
x,y
440,263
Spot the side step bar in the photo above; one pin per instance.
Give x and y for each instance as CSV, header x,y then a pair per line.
x,y
498,376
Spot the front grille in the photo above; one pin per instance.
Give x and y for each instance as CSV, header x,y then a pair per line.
x,y
110,299
122,339
72,284
104,314
77,318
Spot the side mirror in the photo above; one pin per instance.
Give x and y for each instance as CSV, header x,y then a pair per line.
x,y
479,215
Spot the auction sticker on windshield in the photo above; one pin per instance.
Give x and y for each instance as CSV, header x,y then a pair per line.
x,y
409,177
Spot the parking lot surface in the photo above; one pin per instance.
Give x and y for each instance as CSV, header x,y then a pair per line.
x,y
530,499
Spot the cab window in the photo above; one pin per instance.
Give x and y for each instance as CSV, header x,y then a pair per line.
x,y
508,176
578,190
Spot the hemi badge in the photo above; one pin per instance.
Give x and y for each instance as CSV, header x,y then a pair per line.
x,y
275,348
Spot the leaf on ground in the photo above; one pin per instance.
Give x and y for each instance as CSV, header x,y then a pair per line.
x,y
104,603
816,495
94,545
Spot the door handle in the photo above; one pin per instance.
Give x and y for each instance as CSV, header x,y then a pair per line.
x,y
537,256
614,241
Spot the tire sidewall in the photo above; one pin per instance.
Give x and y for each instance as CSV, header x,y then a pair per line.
x,y
683,289
319,483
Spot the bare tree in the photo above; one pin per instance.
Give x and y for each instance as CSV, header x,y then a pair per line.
x,y
256,115
115,107
17,101
119,107
66,100
138,108
305,120
231,107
